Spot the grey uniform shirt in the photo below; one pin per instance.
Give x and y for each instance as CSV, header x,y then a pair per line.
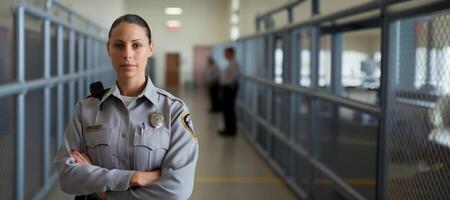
x,y
213,75
230,74
119,139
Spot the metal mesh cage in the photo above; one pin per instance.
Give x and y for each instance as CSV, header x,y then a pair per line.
x,y
419,135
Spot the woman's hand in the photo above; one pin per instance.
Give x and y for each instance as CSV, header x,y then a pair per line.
x,y
79,157
144,178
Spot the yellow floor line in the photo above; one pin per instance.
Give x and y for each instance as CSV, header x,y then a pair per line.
x,y
238,180
274,180
350,181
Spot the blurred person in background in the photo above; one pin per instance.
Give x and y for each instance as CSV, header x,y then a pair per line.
x,y
230,84
213,84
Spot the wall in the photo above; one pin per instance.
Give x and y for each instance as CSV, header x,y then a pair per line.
x,y
204,22
103,12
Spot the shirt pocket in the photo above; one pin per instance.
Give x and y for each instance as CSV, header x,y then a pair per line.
x,y
98,148
150,147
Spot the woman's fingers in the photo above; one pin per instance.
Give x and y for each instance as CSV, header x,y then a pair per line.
x,y
86,158
76,157
80,157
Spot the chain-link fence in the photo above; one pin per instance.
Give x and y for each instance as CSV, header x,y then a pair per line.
x,y
419,136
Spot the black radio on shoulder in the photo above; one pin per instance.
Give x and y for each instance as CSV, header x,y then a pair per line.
x,y
97,90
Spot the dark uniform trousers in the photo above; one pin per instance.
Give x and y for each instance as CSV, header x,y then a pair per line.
x,y
214,92
229,100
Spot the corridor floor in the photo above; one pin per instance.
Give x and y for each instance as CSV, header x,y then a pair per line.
x,y
228,168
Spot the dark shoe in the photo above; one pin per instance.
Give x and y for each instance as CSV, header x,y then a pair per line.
x,y
213,110
226,133
222,132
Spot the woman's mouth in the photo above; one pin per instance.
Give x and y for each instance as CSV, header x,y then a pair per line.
x,y
127,65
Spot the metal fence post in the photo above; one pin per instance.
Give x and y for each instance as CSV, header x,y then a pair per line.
x,y
81,65
60,93
270,66
20,138
72,52
386,98
46,134
293,104
314,133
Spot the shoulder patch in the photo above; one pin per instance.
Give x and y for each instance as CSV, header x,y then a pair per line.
x,y
187,123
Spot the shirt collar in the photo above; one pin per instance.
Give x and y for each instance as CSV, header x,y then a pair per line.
x,y
149,92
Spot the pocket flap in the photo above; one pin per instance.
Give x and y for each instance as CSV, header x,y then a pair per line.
x,y
152,138
98,137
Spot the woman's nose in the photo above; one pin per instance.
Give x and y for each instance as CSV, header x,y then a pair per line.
x,y
127,54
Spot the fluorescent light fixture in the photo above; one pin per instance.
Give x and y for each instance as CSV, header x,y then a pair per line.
x,y
173,11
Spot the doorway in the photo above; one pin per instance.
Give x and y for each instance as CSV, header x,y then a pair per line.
x,y
172,70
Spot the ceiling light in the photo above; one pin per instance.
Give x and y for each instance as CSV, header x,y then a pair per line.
x,y
173,11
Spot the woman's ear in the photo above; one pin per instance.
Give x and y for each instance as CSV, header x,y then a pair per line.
x,y
150,49
107,49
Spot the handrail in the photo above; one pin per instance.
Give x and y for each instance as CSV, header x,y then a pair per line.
x,y
346,102
22,87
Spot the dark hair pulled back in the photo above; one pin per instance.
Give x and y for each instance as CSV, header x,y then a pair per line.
x,y
134,19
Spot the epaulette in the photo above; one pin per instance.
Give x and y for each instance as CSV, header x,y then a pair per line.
x,y
168,95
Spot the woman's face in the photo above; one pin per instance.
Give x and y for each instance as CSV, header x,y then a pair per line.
x,y
129,49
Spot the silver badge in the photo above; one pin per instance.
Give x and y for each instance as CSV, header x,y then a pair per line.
x,y
156,119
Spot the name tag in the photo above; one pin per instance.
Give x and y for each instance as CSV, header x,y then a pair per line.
x,y
92,128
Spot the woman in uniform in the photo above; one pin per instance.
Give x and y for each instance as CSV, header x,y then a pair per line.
x,y
133,141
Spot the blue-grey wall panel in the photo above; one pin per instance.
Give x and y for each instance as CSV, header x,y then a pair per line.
x,y
34,55
6,56
34,123
7,141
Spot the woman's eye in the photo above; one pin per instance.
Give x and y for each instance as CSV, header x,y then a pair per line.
x,y
118,45
136,45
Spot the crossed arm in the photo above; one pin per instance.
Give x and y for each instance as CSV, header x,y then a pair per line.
x,y
138,179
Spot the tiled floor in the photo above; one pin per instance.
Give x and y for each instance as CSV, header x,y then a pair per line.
x,y
228,168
